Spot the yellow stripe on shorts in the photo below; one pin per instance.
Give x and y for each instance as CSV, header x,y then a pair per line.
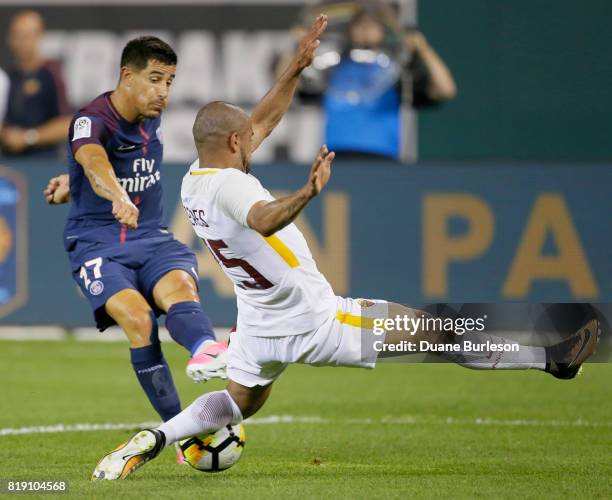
x,y
283,250
356,321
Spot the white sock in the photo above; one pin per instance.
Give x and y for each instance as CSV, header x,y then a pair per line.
x,y
481,356
209,413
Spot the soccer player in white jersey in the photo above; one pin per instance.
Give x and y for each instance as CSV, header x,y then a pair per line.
x,y
287,310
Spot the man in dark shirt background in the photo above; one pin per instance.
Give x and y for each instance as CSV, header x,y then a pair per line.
x,y
37,115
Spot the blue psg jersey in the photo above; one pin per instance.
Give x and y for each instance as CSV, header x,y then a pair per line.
x,y
135,152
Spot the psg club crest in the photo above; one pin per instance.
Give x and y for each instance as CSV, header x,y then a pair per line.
x,y
13,241
96,288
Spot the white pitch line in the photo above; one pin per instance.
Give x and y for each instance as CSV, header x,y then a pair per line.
x,y
312,420
60,428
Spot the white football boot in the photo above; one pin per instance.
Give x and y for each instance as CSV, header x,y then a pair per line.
x,y
126,458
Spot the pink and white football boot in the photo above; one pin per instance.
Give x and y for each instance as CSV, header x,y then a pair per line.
x,y
209,361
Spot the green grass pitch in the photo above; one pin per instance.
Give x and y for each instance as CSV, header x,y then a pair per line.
x,y
399,431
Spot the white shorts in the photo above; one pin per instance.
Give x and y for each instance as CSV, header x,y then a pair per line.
x,y
345,339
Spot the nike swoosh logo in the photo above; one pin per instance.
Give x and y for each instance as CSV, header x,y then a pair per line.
x,y
124,147
586,341
71,237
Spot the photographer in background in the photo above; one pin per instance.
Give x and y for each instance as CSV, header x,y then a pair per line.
x,y
365,73
37,113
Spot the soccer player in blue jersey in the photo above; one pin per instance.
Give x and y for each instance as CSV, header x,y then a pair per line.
x,y
122,255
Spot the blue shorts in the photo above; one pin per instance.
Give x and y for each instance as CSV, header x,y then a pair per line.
x,y
101,269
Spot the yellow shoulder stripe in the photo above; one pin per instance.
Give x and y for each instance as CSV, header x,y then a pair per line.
x,y
356,321
283,250
205,172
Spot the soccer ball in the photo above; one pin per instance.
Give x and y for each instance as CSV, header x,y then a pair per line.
x,y
214,452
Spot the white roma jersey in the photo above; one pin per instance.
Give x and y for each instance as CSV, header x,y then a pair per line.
x,y
278,287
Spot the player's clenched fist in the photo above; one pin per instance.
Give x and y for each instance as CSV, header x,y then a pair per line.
x,y
321,170
126,212
57,190
310,42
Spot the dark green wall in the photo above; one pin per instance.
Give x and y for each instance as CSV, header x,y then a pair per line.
x,y
534,79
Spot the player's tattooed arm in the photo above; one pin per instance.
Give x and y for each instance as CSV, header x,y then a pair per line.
x,y
104,182
270,110
267,217
58,190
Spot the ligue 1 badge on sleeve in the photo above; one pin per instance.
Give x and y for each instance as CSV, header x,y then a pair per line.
x,y
13,243
82,128
160,135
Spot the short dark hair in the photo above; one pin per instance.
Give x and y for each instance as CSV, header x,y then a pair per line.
x,y
139,51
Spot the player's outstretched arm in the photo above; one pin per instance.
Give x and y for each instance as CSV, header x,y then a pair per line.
x,y
267,217
104,182
270,110
58,190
